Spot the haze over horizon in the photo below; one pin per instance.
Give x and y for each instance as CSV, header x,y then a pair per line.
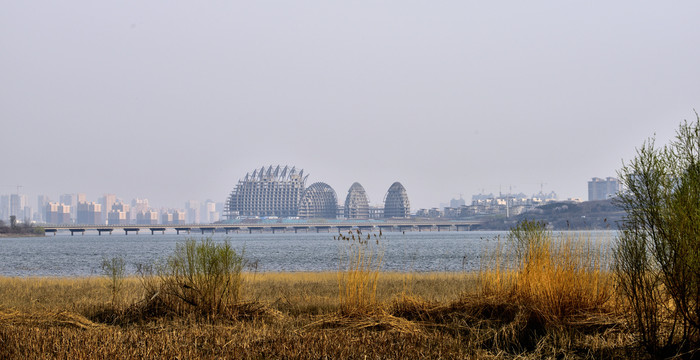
x,y
175,101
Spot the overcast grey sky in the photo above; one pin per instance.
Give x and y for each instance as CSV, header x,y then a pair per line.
x,y
176,100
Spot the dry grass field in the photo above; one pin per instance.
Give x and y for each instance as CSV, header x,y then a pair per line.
x,y
297,315
543,303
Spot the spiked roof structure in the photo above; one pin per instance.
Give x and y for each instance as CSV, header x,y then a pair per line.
x,y
266,192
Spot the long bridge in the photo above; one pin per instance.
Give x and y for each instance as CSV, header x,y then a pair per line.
x,y
392,225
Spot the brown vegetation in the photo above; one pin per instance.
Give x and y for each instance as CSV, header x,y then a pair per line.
x,y
492,314
296,316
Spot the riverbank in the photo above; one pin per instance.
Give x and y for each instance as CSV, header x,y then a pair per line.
x,y
6,235
299,315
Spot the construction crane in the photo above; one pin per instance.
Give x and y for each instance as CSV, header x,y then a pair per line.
x,y
18,187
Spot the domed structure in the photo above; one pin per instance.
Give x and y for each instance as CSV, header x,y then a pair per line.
x,y
267,192
356,203
396,204
318,201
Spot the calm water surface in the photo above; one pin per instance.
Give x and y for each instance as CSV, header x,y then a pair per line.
x,y
65,255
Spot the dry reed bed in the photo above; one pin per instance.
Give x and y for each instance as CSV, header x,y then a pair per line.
x,y
415,316
543,298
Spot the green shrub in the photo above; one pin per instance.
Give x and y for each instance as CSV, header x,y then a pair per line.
x,y
657,258
202,277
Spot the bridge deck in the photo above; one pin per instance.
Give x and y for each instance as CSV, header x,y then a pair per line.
x,y
275,227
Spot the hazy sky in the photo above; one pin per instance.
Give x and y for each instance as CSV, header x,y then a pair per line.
x,y
177,100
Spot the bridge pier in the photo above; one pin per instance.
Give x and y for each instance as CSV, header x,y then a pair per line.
x,y
446,227
463,226
54,231
386,228
100,231
178,229
405,228
297,228
283,228
318,228
73,231
342,228
153,230
251,228
212,229
231,228
127,230
425,227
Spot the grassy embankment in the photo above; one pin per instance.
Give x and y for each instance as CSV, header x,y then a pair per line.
x,y
549,297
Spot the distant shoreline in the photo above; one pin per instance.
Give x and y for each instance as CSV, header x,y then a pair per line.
x,y
21,235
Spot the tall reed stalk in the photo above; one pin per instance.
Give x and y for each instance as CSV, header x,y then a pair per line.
x,y
556,275
115,270
360,263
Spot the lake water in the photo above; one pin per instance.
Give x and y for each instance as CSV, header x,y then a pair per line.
x,y
81,255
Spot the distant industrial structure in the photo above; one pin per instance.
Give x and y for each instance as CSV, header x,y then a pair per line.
x,y
603,189
281,192
507,205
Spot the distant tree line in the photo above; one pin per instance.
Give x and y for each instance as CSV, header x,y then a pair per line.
x,y
20,229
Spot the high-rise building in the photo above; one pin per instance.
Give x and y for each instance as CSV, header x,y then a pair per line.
x,y
57,213
119,215
107,200
599,189
166,218
457,203
17,204
27,214
178,217
69,199
89,213
193,212
41,202
138,205
267,192
147,217
209,213
4,207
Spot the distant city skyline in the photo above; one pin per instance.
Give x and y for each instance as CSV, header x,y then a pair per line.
x,y
95,197
175,100
194,209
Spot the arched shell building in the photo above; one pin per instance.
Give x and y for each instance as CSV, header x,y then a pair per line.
x,y
318,201
396,203
267,192
356,203
281,192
